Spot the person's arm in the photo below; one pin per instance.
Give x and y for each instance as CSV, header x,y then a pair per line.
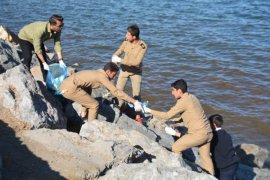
x,y
58,49
178,108
37,36
57,45
137,59
120,50
116,92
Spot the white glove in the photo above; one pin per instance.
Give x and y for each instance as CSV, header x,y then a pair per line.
x,y
61,63
45,66
146,110
170,131
138,106
116,59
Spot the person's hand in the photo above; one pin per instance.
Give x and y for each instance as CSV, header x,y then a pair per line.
x,y
61,63
170,131
138,106
45,66
146,110
116,59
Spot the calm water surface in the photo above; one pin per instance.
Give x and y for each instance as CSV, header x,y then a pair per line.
x,y
221,48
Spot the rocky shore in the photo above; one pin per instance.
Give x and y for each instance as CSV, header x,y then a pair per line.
x,y
42,137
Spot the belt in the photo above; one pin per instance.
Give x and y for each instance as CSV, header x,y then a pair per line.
x,y
132,69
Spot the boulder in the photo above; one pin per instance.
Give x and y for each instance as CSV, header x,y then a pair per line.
x,y
108,131
152,171
75,157
9,56
252,155
150,131
29,101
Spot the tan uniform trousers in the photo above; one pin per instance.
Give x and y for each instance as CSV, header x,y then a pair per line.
x,y
202,141
135,79
81,96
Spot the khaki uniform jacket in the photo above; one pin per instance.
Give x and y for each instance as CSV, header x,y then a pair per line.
x,y
38,32
192,114
94,79
133,55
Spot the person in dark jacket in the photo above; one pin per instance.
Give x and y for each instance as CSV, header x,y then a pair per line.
x,y
223,153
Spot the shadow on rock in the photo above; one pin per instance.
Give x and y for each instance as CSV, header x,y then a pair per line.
x,y
144,157
18,161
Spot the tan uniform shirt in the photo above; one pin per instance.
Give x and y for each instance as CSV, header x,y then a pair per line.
x,y
192,114
133,54
94,79
38,32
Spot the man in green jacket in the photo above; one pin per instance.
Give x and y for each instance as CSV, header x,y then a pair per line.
x,y
33,36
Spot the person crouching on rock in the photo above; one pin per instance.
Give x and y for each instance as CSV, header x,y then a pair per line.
x,y
78,88
199,131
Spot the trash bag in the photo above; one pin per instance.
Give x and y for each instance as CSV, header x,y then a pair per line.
x,y
54,78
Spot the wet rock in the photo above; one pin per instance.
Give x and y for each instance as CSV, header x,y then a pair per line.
x,y
29,101
252,155
9,56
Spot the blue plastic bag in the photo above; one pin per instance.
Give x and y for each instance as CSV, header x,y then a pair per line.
x,y
55,76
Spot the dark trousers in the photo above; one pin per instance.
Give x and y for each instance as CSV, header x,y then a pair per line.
x,y
227,173
27,49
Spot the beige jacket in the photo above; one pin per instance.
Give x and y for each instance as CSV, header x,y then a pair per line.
x,y
133,54
191,112
93,79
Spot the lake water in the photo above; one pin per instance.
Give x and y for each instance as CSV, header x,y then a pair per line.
x,y
221,48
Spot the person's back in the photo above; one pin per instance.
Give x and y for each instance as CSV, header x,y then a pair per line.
x,y
223,153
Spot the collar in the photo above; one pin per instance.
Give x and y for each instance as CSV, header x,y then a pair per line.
x,y
49,27
217,129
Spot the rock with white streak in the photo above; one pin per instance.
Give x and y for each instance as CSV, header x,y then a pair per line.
x,y
29,101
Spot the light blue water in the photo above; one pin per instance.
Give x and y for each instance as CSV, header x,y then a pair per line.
x,y
221,48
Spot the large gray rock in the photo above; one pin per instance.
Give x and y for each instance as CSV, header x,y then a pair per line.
x,y
21,94
154,153
151,132
252,155
152,171
112,132
75,157
9,56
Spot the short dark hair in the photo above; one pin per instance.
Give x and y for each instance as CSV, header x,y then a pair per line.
x,y
54,18
180,84
111,66
134,30
216,119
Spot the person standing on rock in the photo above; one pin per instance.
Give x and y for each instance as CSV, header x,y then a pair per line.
x,y
134,50
78,88
199,131
33,36
223,153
